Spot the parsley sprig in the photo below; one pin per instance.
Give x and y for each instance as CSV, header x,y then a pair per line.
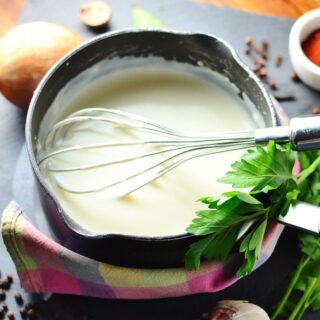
x,y
267,174
306,277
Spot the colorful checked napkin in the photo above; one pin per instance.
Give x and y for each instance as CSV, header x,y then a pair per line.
x,y
47,267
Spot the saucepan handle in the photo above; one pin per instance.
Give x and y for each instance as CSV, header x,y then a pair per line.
x,y
304,216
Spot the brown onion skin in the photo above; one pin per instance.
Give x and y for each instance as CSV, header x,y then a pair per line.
x,y
26,53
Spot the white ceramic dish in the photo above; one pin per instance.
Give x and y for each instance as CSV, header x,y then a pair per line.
x,y
307,71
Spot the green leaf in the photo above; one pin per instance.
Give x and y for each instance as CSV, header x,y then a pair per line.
x,y
292,195
211,221
251,247
195,251
245,197
310,189
222,243
316,301
229,212
261,170
143,19
257,238
248,264
216,246
310,245
282,198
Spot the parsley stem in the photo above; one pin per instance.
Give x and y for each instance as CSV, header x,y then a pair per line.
x,y
308,302
305,173
303,262
300,305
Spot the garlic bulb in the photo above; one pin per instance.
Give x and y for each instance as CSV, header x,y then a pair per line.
x,y
237,310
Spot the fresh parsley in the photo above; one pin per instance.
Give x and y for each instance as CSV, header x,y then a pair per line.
x,y
306,277
267,174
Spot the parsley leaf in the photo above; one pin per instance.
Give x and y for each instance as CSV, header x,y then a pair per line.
x,y
268,171
223,221
193,255
251,247
261,169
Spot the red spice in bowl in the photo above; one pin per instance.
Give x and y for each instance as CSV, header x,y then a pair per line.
x,y
311,47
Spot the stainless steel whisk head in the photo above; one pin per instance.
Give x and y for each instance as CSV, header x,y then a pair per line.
x,y
163,150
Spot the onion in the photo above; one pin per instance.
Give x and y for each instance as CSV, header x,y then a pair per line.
x,y
26,53
237,310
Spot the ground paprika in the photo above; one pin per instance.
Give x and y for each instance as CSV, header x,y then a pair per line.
x,y
311,47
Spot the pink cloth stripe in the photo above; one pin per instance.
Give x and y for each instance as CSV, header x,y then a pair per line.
x,y
45,266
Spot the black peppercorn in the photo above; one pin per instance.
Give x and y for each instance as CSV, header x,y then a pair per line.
x,y
10,278
29,306
18,298
23,313
31,314
2,294
10,315
5,285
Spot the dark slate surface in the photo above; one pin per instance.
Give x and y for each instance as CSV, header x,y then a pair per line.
x,y
16,182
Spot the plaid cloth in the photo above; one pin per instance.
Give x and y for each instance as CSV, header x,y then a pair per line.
x,y
45,266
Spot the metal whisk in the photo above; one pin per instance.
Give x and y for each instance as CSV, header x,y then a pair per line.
x,y
165,150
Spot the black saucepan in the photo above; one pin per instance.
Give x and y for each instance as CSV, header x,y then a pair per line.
x,y
216,54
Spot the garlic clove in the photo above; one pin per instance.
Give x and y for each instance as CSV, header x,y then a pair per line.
x,y
237,310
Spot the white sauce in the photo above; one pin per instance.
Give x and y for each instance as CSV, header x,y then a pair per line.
x,y
175,98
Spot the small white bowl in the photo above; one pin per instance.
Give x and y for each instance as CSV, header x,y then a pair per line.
x,y
307,71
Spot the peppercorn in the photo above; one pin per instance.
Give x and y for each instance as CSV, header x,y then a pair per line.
x,y
18,298
31,314
10,315
23,313
294,76
262,73
272,84
2,294
10,278
278,60
29,306
5,284
264,49
248,41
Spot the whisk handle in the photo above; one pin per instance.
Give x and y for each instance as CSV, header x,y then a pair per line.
x,y
303,133
278,134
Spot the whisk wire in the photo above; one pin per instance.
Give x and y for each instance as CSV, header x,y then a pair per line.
x,y
147,175
177,148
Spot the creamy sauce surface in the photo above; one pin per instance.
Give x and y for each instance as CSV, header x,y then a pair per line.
x,y
174,98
